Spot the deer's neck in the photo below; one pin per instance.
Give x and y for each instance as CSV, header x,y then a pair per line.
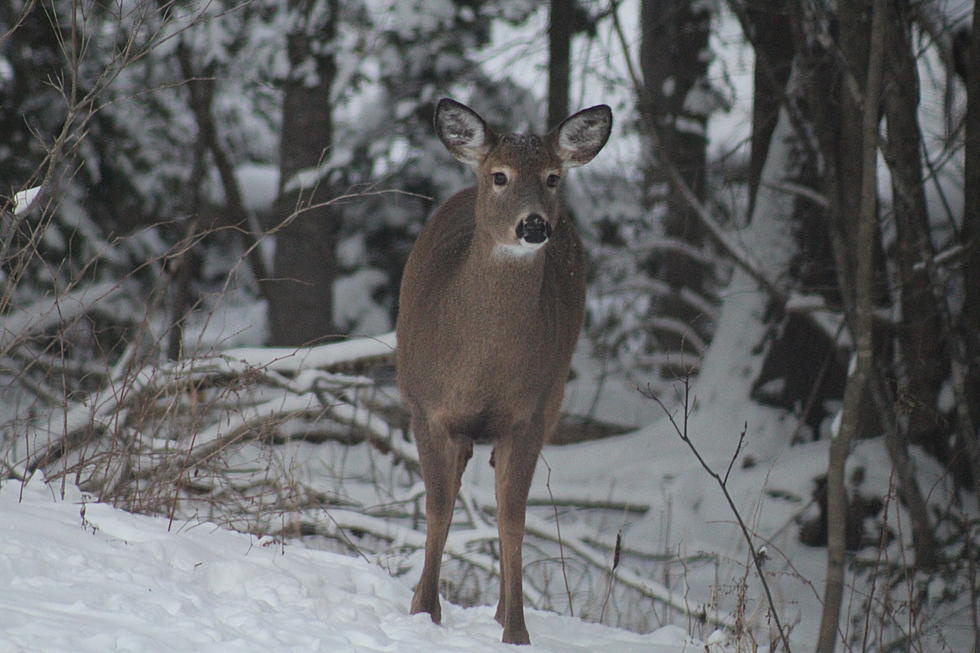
x,y
504,279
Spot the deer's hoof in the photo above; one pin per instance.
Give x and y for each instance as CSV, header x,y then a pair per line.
x,y
434,611
516,637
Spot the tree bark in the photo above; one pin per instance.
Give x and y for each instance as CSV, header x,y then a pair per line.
x,y
305,267
770,32
862,326
676,103
802,356
969,327
922,353
833,74
559,50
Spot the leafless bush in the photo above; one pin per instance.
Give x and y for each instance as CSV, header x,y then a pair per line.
x,y
299,443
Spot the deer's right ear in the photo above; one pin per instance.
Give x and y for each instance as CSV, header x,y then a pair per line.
x,y
463,132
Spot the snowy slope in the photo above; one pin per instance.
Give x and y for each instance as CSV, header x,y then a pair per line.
x,y
79,576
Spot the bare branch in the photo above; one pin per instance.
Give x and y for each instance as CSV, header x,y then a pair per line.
x,y
682,433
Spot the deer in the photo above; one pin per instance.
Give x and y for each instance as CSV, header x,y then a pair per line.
x,y
491,303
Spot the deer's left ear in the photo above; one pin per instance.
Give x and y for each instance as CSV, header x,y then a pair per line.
x,y
580,136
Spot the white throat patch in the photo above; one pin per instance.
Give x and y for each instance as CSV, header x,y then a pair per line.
x,y
523,250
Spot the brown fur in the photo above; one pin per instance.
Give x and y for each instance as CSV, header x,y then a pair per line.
x,y
485,340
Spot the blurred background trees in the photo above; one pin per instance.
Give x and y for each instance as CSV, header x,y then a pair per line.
x,y
254,173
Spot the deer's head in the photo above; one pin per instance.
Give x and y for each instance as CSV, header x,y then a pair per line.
x,y
518,175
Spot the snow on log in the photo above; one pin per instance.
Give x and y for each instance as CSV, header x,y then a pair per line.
x,y
49,312
357,351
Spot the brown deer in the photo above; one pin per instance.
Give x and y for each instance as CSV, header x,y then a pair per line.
x,y
491,305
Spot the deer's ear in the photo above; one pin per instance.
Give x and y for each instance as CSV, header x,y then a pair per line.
x,y
580,136
463,132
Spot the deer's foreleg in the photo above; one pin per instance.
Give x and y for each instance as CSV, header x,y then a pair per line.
x,y
515,459
443,460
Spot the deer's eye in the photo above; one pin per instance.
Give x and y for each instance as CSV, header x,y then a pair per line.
x,y
552,181
499,179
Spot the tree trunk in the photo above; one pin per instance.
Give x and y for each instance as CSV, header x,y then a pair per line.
x,y
304,268
922,353
559,49
861,325
676,103
804,358
832,79
969,327
769,28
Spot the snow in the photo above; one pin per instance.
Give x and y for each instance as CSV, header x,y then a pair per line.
x,y
292,359
6,70
354,307
83,576
50,311
23,199
259,183
236,321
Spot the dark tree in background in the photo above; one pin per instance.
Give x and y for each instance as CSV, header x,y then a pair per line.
x,y
803,367
926,363
304,270
767,25
566,19
676,102
969,326
559,51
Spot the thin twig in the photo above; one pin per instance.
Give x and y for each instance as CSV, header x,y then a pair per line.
x,y
561,543
611,577
682,432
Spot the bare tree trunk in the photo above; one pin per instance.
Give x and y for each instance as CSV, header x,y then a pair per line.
x,y
559,49
857,382
676,103
769,27
922,353
801,355
304,268
969,328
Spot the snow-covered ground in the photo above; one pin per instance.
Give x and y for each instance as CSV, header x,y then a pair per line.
x,y
80,576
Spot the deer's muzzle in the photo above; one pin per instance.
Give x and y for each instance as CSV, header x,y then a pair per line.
x,y
533,230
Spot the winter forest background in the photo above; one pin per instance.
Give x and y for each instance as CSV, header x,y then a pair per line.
x,y
774,415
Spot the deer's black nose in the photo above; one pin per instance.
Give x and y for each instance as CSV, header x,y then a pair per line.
x,y
533,229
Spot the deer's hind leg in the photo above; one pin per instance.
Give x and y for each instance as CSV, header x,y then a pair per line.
x,y
443,459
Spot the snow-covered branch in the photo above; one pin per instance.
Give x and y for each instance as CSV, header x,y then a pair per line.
x,y
49,312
